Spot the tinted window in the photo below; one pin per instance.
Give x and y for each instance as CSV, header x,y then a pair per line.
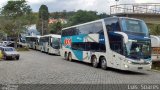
x,y
85,29
112,24
89,46
134,26
70,32
55,43
96,27
91,28
116,43
9,49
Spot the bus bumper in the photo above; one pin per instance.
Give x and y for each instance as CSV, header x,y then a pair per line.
x,y
137,67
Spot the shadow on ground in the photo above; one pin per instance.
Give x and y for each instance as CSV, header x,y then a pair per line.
x,y
113,70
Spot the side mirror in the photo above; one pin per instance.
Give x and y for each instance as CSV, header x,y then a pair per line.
x,y
51,40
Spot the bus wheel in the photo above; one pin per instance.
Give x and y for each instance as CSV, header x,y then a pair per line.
x,y
5,57
65,56
48,52
94,62
70,57
103,63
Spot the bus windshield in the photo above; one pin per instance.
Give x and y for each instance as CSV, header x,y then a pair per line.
x,y
134,27
138,49
56,43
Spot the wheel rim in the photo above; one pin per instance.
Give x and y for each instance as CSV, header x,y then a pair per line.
x,y
94,61
65,56
103,63
70,57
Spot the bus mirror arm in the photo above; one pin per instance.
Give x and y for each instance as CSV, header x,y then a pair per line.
x,y
125,36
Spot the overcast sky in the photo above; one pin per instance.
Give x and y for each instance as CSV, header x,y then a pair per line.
x,y
73,5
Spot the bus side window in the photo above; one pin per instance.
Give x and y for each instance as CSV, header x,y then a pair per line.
x,y
102,47
112,25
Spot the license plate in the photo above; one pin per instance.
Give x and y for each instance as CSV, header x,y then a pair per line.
x,y
140,67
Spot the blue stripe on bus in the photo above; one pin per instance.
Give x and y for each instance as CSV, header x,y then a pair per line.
x,y
78,54
79,38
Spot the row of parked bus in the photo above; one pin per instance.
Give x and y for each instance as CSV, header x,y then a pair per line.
x,y
47,43
116,42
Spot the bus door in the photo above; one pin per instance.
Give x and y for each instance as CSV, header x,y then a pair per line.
x,y
116,45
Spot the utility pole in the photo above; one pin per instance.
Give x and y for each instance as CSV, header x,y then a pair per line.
x,y
42,27
42,24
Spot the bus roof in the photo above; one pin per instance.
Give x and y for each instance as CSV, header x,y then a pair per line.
x,y
97,21
53,35
34,36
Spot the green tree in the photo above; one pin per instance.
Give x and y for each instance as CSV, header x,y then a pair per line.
x,y
42,24
82,16
15,15
154,29
103,15
55,28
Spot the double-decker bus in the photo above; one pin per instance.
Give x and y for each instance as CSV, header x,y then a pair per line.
x,y
33,42
50,44
116,42
155,44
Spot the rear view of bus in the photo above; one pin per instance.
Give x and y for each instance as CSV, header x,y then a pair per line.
x,y
117,42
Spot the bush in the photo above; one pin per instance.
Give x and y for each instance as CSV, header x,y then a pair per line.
x,y
23,49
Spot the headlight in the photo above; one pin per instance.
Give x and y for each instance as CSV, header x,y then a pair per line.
x,y
129,62
126,66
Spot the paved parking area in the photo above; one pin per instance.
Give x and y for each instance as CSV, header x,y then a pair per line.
x,y
35,67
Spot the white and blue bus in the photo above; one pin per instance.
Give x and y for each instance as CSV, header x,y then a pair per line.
x,y
155,44
117,42
50,44
33,42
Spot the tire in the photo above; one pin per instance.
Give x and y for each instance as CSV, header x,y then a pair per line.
x,y
17,58
5,57
70,57
103,63
65,56
48,51
94,62
41,50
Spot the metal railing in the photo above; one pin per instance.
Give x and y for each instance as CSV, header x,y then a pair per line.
x,y
143,8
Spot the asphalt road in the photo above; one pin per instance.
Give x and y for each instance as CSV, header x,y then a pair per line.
x,y
35,67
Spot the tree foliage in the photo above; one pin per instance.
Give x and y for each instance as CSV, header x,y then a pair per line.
x,y
55,28
82,16
15,16
154,29
42,24
73,18
16,9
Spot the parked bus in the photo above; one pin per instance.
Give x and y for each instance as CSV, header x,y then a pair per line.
x,y
117,42
155,44
50,44
33,42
